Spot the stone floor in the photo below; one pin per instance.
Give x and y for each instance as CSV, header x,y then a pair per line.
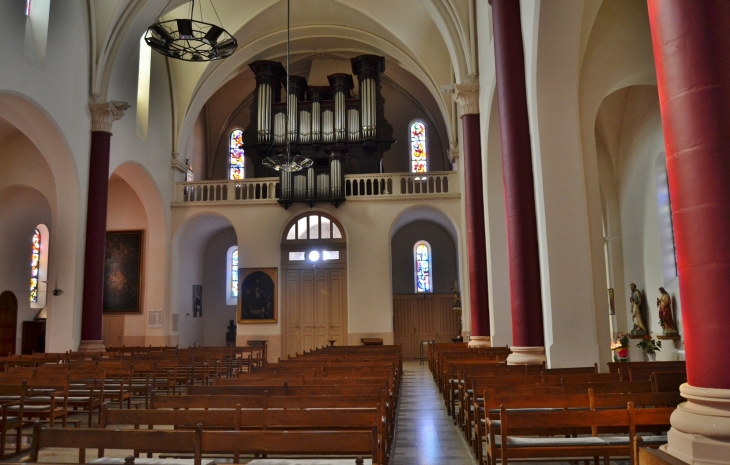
x,y
425,434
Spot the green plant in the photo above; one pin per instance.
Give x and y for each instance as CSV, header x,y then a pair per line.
x,y
649,345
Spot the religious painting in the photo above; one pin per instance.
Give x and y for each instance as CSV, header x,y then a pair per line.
x,y
257,295
123,272
197,300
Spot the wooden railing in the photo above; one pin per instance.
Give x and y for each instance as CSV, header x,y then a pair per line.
x,y
394,186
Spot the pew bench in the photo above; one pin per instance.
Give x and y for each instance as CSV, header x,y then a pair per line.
x,y
197,442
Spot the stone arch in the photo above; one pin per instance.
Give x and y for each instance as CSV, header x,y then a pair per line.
x,y
67,219
190,250
135,203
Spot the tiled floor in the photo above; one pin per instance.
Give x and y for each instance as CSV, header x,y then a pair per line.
x,y
425,434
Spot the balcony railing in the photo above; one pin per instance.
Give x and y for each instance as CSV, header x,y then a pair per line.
x,y
387,186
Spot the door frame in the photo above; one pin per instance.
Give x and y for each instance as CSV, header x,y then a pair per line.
x,y
308,245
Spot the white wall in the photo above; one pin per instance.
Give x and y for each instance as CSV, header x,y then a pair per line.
x,y
216,313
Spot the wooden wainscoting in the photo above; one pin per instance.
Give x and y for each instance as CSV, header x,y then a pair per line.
x,y
423,317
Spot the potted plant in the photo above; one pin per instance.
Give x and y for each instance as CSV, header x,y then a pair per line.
x,y
650,346
620,346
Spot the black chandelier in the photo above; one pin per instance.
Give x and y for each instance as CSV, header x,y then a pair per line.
x,y
191,40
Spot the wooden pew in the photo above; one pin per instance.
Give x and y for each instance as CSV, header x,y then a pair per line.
x,y
257,419
514,425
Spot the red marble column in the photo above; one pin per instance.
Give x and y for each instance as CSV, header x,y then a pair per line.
x,y
475,230
519,191
103,115
691,44
691,41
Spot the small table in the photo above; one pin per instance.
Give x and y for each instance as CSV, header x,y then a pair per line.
x,y
332,342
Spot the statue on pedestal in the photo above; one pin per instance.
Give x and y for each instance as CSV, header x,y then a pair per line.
x,y
456,293
666,317
231,335
635,300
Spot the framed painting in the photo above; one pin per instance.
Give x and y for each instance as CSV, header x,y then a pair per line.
x,y
123,272
257,293
611,302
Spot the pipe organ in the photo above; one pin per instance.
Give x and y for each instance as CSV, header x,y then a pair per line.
x,y
341,133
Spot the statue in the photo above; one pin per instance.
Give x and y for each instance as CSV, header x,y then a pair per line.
x,y
457,295
231,334
639,325
666,318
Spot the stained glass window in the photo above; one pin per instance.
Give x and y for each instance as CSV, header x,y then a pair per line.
x,y
419,164
27,7
236,155
234,274
35,261
423,267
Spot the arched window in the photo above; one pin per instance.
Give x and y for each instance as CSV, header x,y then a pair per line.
x,y
232,276
39,266
35,265
422,262
666,229
236,155
419,162
312,237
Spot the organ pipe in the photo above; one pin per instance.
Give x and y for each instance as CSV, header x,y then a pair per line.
x,y
305,124
311,185
353,125
328,128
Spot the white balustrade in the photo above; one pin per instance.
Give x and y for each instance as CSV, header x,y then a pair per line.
x,y
405,186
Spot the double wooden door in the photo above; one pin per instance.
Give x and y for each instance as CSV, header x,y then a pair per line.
x,y
314,310
423,317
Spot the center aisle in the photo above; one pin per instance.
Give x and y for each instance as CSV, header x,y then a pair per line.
x,y
425,434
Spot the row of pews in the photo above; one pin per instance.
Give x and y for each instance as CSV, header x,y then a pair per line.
x,y
332,402
531,412
51,387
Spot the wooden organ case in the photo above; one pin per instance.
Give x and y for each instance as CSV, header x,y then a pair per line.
x,y
341,134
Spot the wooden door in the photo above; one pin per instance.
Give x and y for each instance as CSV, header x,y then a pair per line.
x,y
423,317
314,311
113,330
8,322
337,306
293,318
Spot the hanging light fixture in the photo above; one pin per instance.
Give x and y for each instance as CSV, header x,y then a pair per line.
x,y
285,162
190,40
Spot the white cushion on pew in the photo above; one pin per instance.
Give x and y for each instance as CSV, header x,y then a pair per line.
x,y
550,442
143,461
624,440
307,462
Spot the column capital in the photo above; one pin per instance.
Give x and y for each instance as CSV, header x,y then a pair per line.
x,y
466,95
103,114
453,152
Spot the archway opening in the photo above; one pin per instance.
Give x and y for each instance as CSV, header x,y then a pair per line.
x,y
314,280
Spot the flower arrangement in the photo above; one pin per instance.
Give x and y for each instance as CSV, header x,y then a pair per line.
x,y
621,347
649,345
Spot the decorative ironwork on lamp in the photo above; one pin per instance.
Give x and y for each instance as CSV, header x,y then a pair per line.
x,y
285,162
191,40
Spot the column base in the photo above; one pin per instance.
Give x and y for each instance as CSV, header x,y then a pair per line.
x,y
480,341
526,356
92,346
700,433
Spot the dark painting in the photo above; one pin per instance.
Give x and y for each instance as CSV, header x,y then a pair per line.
x,y
257,296
123,272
